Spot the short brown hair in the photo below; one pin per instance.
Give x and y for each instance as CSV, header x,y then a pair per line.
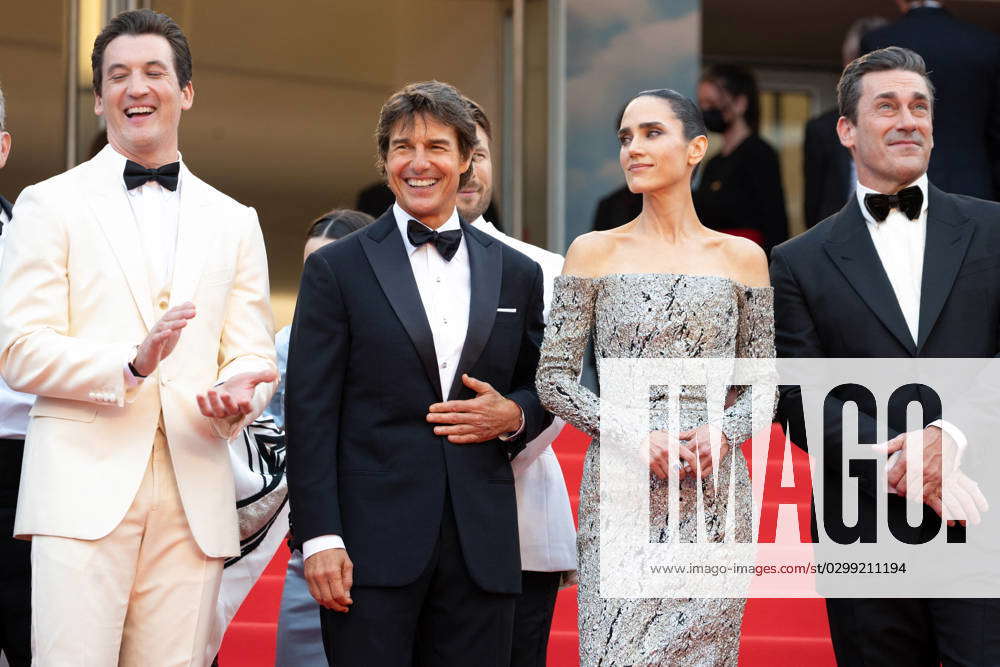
x,y
143,22
338,223
479,116
883,60
438,100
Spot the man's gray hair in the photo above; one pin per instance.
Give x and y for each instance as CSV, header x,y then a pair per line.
x,y
3,112
883,60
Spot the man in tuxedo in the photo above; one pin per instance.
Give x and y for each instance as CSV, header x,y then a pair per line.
x,y
827,166
410,386
902,270
963,62
134,304
15,555
546,531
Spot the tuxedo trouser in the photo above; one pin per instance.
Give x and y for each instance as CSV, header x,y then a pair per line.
x,y
142,596
15,563
443,619
300,640
533,618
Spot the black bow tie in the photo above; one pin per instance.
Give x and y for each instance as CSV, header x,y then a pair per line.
x,y
446,242
135,175
908,200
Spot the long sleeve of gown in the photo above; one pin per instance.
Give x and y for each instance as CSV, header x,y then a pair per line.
x,y
754,340
567,331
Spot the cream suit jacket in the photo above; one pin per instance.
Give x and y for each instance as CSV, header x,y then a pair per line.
x,y
75,301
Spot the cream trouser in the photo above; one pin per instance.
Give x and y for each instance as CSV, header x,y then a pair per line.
x,y
142,596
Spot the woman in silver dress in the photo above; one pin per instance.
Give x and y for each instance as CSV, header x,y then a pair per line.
x,y
660,286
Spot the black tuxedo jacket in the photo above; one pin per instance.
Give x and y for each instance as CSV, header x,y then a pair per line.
x,y
363,462
832,298
7,208
827,167
963,61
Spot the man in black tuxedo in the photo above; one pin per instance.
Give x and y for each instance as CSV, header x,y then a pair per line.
x,y
963,62
903,270
410,387
826,164
15,555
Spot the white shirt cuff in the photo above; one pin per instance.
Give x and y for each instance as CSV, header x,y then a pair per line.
x,y
321,543
504,437
130,379
956,433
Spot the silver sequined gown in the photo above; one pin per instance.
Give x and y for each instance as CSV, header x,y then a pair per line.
x,y
655,316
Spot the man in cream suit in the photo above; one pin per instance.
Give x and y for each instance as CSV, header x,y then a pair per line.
x,y
134,303
544,517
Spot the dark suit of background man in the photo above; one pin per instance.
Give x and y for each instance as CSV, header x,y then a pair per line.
x,y
963,61
922,282
827,166
394,452
15,555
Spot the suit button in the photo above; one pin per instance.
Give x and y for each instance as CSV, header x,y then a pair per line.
x,y
162,304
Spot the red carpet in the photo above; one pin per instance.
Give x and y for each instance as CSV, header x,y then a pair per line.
x,y
776,632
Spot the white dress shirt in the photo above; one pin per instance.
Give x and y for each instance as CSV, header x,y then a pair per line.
x,y
14,405
156,211
445,291
899,243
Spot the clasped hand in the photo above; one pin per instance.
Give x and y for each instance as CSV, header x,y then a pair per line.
x,y
478,419
939,482
694,448
233,397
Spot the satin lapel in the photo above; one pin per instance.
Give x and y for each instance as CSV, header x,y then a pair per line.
x,y
384,247
196,237
851,249
947,240
111,208
485,278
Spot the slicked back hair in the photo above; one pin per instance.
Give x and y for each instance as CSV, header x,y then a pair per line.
x,y
684,108
143,22
338,223
882,60
479,116
432,99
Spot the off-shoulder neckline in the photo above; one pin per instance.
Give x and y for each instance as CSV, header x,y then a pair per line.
x,y
622,274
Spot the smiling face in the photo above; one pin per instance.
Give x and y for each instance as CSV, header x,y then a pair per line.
x,y
423,167
654,152
141,98
474,197
893,138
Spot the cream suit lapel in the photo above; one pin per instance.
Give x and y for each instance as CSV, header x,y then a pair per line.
x,y
196,237
109,205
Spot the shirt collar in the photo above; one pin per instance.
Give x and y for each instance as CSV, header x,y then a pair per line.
x,y
113,163
862,190
403,219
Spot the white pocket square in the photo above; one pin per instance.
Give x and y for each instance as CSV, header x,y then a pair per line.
x,y
506,310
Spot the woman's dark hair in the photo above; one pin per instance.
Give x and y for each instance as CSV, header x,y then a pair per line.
x,y
738,81
143,22
684,108
338,223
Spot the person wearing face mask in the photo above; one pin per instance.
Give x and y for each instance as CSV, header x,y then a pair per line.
x,y
740,190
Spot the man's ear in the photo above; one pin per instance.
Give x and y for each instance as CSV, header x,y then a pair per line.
x,y
845,132
5,142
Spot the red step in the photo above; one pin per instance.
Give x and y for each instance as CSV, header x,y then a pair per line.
x,y
775,632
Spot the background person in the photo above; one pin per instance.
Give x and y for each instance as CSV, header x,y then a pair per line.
x,y
546,533
963,63
15,555
740,189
